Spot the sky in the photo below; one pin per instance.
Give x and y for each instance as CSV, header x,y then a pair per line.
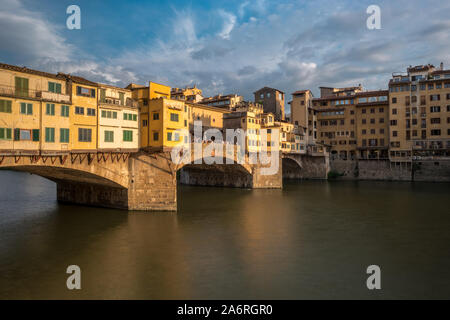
x,y
227,46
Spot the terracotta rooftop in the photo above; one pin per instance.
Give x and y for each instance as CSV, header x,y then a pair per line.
x,y
27,70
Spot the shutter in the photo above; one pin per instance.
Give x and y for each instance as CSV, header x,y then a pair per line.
x,y
2,133
16,134
124,116
2,105
29,108
8,133
35,134
78,90
121,96
102,95
8,106
58,87
51,86
93,93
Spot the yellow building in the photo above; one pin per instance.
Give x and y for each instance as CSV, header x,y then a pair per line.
x,y
193,94
372,124
83,114
419,113
118,119
160,115
33,111
250,123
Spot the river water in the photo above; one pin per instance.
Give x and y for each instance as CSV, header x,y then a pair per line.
x,y
312,239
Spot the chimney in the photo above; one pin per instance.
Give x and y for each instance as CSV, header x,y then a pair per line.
x,y
442,66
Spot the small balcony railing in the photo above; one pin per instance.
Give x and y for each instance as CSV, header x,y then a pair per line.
x,y
14,92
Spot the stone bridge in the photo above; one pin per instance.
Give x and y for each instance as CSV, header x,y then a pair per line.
x,y
145,180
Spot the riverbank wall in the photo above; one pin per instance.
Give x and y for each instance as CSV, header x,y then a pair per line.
x,y
423,170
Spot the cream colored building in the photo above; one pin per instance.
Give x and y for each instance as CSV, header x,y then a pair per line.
x,y
118,119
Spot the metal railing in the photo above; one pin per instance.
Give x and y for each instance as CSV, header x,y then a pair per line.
x,y
15,92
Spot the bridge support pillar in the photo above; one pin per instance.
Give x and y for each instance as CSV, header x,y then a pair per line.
x,y
152,186
153,182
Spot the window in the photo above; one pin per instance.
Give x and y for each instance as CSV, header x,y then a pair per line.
x,y
26,108
144,123
363,111
90,112
394,100
381,120
5,134
381,110
436,132
155,136
49,134
394,133
174,117
85,92
84,135
5,106
364,121
109,136
127,135
169,136
64,135
129,116
435,120
435,109
64,111
435,97
54,87
22,134
79,110
381,131
50,109
185,123
372,121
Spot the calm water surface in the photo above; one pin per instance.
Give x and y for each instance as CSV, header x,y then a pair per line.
x,y
309,240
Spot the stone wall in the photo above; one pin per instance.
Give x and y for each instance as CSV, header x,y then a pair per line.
x,y
153,182
430,171
305,167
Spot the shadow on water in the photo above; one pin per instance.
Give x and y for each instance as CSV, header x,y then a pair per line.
x,y
312,239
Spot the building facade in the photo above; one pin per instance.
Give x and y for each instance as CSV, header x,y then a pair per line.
x,y
272,101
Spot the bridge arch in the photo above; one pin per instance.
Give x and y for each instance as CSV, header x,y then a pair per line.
x,y
292,167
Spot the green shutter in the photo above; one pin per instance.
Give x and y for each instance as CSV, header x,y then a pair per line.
x,y
23,108
8,133
35,134
121,97
17,134
51,86
2,133
134,117
9,106
29,108
58,87
102,95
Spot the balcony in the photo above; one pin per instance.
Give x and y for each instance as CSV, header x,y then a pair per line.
x,y
9,91
111,101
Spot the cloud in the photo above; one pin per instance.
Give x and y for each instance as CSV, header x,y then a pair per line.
x,y
229,20
288,45
26,35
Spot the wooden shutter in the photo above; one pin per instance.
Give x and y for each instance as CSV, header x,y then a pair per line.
x,y
102,95
35,134
16,134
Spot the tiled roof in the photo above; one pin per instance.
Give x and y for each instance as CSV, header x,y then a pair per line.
x,y
27,70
